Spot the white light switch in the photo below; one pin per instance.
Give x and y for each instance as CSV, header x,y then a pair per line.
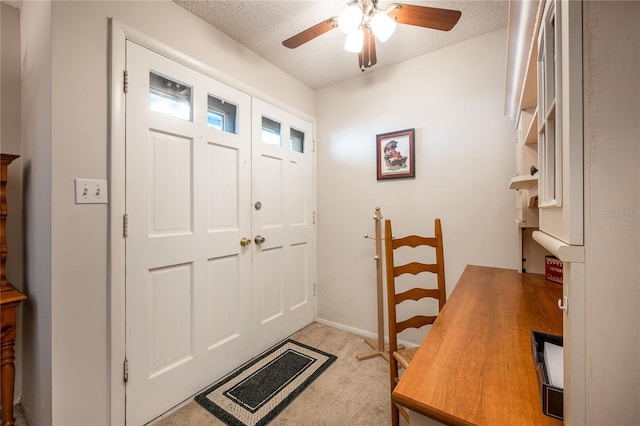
x,y
91,191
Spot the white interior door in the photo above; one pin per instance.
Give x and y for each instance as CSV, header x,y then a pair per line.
x,y
283,253
188,280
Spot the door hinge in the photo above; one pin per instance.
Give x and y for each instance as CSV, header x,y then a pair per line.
x,y
126,81
126,370
125,225
314,218
314,289
314,145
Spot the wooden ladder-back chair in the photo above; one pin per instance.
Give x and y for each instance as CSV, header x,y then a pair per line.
x,y
402,357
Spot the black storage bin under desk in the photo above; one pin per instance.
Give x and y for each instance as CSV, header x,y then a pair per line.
x,y
551,396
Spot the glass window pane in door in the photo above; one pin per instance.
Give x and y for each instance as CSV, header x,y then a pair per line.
x,y
271,132
169,97
297,140
550,62
222,115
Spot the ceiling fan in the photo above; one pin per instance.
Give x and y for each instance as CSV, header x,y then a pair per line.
x,y
364,20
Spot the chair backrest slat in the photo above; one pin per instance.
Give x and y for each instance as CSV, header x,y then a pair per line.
x,y
417,321
417,294
414,241
395,297
415,268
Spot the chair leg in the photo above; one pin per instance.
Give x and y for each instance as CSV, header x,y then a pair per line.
x,y
404,413
393,380
395,415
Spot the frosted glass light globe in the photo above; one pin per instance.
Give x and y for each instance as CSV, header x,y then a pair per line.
x,y
354,41
350,19
383,26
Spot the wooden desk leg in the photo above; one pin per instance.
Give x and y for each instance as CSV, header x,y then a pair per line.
x,y
7,368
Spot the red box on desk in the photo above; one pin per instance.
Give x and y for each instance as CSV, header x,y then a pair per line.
x,y
553,269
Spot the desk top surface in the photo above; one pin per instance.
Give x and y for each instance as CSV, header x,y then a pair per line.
x,y
476,365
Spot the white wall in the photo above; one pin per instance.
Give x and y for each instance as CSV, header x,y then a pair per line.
x,y
465,150
453,97
612,211
65,101
10,144
35,26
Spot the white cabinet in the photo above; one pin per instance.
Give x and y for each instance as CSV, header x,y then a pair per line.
x,y
526,179
560,126
611,46
549,65
524,110
588,56
549,133
549,125
530,256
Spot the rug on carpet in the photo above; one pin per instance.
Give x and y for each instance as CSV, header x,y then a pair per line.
x,y
258,391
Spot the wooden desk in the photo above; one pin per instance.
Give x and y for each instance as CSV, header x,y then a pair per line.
x,y
476,365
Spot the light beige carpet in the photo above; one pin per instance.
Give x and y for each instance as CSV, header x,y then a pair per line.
x,y
18,414
349,392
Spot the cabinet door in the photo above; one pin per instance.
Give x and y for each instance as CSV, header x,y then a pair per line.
x,y
549,129
560,134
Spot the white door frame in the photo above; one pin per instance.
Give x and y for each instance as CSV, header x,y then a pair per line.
x,y
119,33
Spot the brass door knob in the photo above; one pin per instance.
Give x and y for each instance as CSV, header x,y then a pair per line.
x,y
244,241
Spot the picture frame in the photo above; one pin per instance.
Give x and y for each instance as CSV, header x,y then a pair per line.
x,y
396,154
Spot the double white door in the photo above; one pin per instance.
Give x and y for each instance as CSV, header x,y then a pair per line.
x,y
219,245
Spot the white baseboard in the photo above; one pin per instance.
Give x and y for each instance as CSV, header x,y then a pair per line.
x,y
361,332
350,329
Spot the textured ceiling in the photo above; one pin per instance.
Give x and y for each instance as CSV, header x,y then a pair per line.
x,y
262,25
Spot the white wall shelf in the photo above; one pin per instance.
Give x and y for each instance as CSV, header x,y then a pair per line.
x,y
531,137
560,249
523,182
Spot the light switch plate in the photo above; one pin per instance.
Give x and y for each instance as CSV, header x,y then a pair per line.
x,y
91,191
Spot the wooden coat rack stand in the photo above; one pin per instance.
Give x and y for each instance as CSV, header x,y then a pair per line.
x,y
379,348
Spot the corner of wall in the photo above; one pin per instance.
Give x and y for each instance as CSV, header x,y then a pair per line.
x,y
35,95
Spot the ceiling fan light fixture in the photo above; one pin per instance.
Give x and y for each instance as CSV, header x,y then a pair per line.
x,y
354,41
383,26
350,19
364,21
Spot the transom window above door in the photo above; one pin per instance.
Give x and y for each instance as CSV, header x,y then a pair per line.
x,y
222,115
271,132
169,97
297,140
272,135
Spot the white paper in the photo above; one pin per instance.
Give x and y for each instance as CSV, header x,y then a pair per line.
x,y
554,361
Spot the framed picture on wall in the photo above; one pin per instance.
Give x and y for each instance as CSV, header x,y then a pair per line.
x,y
396,154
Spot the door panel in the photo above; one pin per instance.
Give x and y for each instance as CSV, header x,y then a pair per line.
x,y
223,301
170,171
187,277
299,294
171,337
222,201
198,304
283,185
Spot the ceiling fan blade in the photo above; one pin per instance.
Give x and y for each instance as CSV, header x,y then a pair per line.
x,y
423,16
367,57
311,33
